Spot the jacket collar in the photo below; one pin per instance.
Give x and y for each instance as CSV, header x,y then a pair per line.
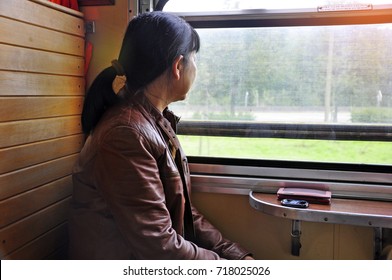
x,y
152,111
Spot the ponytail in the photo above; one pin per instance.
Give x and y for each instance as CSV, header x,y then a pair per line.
x,y
151,44
100,96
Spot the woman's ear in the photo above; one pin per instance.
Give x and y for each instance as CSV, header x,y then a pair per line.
x,y
177,67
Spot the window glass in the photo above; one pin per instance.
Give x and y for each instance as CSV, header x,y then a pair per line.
x,y
325,74
304,75
363,152
228,5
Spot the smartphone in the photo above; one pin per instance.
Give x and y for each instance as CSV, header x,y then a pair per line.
x,y
296,203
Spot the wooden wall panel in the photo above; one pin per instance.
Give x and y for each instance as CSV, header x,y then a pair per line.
x,y
25,204
34,13
22,156
42,88
16,108
33,84
25,179
23,132
29,60
15,236
42,246
35,37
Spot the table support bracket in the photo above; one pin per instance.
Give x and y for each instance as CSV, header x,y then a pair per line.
x,y
378,242
295,237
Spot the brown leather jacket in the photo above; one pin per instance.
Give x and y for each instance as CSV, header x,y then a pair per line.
x,y
131,193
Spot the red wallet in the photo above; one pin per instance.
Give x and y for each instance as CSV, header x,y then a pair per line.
x,y
310,195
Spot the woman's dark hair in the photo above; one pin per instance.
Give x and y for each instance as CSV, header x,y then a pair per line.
x,y
151,44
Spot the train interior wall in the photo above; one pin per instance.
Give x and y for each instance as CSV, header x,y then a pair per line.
x,y
48,175
41,97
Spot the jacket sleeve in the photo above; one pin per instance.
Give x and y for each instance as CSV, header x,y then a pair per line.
x,y
128,177
210,237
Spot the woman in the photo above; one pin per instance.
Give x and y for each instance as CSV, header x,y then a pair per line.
x,y
131,182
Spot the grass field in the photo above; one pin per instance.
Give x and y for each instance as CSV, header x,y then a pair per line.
x,y
370,152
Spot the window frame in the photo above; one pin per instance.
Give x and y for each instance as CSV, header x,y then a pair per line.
x,y
287,130
240,176
287,17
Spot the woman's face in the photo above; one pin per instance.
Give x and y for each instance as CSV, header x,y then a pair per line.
x,y
188,74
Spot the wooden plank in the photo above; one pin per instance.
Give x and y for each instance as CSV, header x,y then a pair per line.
x,y
32,84
22,232
17,108
22,180
28,60
61,253
41,15
29,131
20,206
43,246
27,155
39,38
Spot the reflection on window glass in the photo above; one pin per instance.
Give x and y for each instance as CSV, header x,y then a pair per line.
x,y
226,5
325,74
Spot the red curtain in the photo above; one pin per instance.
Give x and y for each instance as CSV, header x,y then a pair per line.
x,y
73,4
88,55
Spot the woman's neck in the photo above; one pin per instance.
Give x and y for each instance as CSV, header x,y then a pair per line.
x,y
158,94
159,102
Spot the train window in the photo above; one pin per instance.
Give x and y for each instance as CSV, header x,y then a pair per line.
x,y
332,78
308,81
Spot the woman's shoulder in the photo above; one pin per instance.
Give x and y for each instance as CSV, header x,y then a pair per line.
x,y
129,115
125,120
